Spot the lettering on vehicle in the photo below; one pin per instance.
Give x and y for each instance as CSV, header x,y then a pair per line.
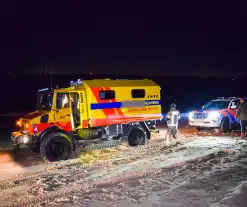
x,y
142,109
147,103
126,104
82,103
153,96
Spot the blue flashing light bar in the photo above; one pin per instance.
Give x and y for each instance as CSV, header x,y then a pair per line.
x,y
44,89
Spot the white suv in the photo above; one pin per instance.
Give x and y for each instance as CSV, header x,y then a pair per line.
x,y
218,113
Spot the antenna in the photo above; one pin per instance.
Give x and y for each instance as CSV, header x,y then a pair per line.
x,y
44,79
51,79
45,68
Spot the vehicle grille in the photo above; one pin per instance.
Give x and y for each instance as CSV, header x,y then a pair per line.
x,y
200,116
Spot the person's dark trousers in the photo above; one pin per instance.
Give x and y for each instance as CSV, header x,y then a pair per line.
x,y
243,124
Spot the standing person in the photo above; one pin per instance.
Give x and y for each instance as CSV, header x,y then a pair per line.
x,y
242,116
172,118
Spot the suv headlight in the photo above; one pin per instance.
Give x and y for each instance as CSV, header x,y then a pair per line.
x,y
213,115
190,115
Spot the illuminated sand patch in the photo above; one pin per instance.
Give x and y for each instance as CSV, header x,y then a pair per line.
x,y
77,182
93,156
120,152
6,157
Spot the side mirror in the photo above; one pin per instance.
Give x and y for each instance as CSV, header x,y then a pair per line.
x,y
233,107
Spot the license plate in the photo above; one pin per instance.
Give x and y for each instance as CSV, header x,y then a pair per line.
x,y
199,121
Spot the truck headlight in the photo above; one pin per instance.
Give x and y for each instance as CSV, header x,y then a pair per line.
x,y
25,139
213,115
190,115
18,123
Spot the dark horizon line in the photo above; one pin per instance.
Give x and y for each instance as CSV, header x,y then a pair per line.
x,y
125,75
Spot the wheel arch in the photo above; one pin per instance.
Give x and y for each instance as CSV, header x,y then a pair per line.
x,y
52,129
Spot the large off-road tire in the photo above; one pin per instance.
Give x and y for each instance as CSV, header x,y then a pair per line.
x,y
16,148
225,125
55,147
136,136
35,149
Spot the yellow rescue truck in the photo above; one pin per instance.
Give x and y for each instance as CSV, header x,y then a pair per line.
x,y
90,110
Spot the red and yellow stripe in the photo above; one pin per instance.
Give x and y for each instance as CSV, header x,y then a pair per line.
x,y
110,114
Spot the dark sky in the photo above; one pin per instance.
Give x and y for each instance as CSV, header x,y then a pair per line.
x,y
175,38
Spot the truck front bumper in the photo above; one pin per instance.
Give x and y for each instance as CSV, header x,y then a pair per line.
x,y
19,138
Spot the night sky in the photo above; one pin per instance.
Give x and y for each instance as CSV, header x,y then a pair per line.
x,y
178,38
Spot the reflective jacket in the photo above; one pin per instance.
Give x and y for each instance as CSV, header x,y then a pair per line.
x,y
172,117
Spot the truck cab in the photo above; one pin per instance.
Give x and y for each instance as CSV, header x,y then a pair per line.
x,y
218,113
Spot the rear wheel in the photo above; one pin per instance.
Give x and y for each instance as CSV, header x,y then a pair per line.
x,y
55,147
225,125
136,137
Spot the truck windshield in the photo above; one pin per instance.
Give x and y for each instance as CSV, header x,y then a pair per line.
x,y
216,105
44,100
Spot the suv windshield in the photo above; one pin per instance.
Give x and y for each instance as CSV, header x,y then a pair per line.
x,y
44,100
216,105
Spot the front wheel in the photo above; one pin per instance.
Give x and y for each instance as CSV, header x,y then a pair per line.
x,y
35,149
55,147
225,125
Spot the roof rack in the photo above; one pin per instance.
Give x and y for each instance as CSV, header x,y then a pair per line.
x,y
44,89
75,83
226,97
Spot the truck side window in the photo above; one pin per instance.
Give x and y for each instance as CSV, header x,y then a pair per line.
x,y
107,95
237,102
62,100
138,93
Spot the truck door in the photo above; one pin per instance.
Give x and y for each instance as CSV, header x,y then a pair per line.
x,y
75,108
63,111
